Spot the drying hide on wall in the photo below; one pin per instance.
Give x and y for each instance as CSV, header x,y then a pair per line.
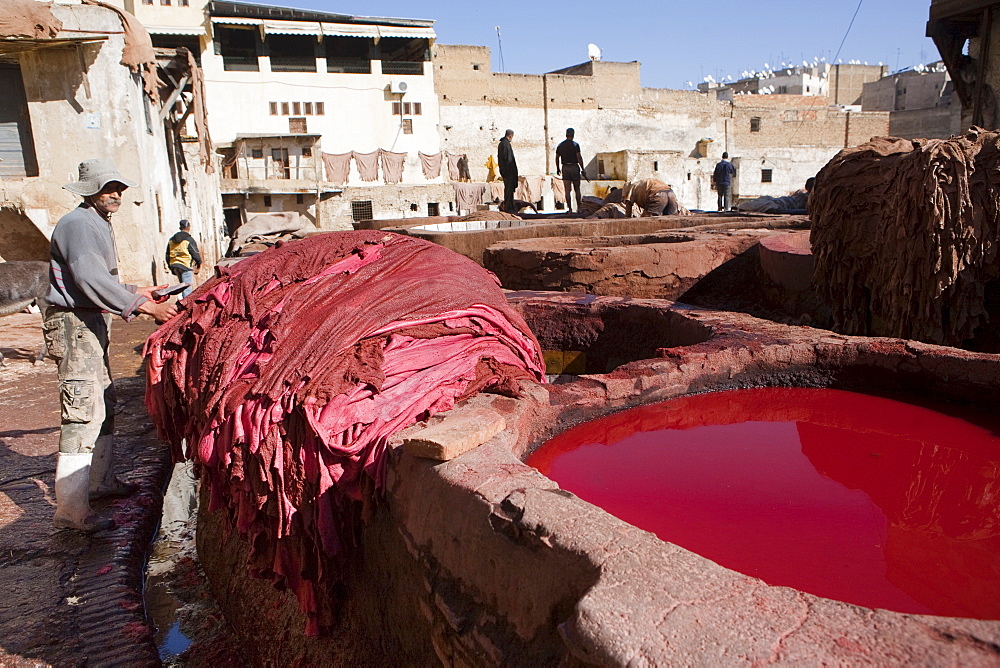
x,y
286,374
905,236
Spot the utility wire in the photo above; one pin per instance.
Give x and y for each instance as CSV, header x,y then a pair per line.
x,y
849,26
833,63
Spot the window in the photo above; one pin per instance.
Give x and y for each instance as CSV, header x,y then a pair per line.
x,y
433,209
296,108
147,2
257,153
165,3
297,125
361,210
299,198
403,55
308,108
755,124
306,152
320,108
238,47
349,55
280,167
656,166
407,109
407,126
274,108
16,142
267,201
291,53
766,175
475,66
397,108
284,108
418,108
782,90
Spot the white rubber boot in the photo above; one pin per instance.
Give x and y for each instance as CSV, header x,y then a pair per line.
x,y
103,481
72,494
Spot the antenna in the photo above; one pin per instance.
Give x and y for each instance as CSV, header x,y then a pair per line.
x,y
500,46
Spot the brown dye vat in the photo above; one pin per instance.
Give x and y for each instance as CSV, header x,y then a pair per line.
x,y
651,266
481,560
787,260
472,244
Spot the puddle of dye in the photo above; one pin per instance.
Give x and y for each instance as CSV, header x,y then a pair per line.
x,y
179,504
858,498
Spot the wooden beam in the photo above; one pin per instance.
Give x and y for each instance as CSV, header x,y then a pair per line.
x,y
169,104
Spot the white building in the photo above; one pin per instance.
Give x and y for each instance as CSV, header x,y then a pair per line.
x,y
285,86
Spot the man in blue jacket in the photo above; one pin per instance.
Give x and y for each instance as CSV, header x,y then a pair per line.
x,y
84,292
723,180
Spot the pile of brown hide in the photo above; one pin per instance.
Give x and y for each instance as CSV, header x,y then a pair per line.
x,y
905,236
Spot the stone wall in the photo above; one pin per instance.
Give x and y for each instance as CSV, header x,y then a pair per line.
x,y
933,122
610,111
482,561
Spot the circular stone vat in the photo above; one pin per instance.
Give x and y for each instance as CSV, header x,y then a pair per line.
x,y
859,498
787,260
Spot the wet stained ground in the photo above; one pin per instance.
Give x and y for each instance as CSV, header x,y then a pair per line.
x,y
67,599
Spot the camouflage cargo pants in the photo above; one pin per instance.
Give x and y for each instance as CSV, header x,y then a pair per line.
x,y
78,340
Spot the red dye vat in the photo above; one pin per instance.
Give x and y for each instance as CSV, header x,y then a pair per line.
x,y
859,498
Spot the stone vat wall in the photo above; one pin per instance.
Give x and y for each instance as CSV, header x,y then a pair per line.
x,y
480,560
473,244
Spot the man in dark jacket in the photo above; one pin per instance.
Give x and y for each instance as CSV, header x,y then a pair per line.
x,y
568,153
508,170
723,180
183,257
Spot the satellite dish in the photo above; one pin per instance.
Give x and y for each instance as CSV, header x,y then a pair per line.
x,y
594,51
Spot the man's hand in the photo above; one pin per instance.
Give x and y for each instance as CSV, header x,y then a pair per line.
x,y
148,293
161,312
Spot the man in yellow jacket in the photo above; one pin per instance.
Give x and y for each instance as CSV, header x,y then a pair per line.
x,y
183,257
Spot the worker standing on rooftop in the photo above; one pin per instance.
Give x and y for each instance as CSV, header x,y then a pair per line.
x,y
508,170
722,177
568,152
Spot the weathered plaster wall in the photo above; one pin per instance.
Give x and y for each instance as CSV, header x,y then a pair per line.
x,y
102,112
387,202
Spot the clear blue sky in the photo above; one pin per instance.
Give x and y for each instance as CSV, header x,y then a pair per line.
x,y
676,41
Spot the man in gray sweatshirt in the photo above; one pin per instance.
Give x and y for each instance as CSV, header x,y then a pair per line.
x,y
84,293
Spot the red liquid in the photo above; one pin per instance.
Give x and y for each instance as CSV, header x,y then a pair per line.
x,y
847,496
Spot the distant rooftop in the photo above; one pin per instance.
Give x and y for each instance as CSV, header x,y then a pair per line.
x,y
252,10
